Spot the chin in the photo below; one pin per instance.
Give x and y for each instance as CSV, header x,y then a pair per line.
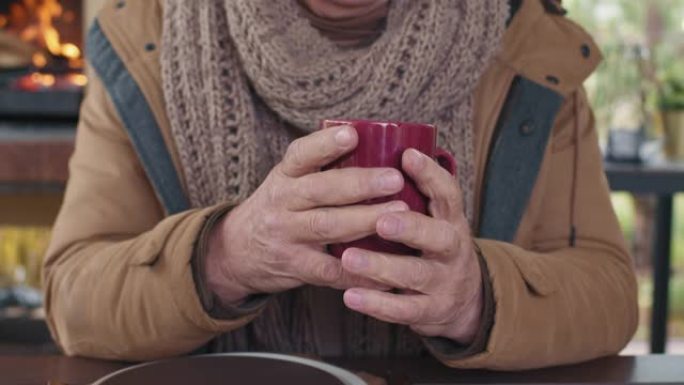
x,y
340,9
351,3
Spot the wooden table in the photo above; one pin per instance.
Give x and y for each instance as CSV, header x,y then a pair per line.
x,y
41,370
663,181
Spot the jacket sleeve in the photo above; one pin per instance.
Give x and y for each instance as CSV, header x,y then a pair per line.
x,y
554,303
117,276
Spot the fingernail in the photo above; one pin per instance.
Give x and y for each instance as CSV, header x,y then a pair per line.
x,y
356,261
417,159
343,137
390,225
353,299
396,207
390,181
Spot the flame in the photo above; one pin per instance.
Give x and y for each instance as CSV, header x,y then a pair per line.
x,y
36,19
39,60
71,51
43,80
36,22
39,81
78,80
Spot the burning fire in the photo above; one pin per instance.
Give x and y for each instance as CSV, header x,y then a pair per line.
x,y
44,31
57,63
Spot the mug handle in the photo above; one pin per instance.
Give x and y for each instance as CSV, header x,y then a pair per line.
x,y
446,160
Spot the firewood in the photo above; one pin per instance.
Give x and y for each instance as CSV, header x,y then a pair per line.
x,y
14,52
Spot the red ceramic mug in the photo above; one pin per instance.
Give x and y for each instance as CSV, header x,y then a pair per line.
x,y
381,144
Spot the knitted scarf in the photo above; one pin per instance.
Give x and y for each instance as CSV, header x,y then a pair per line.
x,y
243,78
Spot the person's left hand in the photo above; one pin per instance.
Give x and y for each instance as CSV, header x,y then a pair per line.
x,y
441,291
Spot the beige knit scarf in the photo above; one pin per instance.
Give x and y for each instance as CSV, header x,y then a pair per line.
x,y
242,78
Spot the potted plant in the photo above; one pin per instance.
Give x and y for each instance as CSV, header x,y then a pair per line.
x,y
672,108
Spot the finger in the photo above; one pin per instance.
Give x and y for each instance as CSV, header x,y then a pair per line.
x,y
308,154
401,272
431,235
344,186
405,309
436,183
340,224
320,269
429,330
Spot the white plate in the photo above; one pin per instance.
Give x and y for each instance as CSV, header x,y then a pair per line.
x,y
347,377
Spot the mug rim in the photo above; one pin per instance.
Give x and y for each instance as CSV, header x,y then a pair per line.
x,y
396,123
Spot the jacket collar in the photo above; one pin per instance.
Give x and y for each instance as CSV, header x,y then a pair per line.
x,y
548,48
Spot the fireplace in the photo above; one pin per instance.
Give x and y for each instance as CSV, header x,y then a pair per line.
x,y
42,81
41,62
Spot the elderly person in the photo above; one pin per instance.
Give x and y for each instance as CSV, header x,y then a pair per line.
x,y
197,215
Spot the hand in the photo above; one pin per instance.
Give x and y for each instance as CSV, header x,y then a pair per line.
x,y
275,240
442,290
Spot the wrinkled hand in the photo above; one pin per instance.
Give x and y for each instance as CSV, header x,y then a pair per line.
x,y
442,290
275,240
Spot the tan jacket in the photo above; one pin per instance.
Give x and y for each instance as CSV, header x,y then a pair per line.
x,y
118,279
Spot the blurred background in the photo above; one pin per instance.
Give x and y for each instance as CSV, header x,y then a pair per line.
x,y
637,94
638,99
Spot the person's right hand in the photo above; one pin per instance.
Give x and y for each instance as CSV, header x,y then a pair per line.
x,y
275,240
